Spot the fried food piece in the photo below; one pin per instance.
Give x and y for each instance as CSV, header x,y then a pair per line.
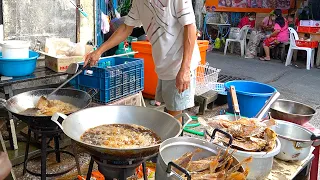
x,y
236,167
214,176
271,138
49,107
214,164
248,134
243,127
198,166
42,103
184,160
250,144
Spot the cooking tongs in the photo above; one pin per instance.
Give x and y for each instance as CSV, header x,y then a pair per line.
x,y
235,103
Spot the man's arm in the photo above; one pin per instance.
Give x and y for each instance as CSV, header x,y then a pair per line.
x,y
183,11
117,37
189,39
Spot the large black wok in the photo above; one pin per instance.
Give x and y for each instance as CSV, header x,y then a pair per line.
x,y
163,124
19,103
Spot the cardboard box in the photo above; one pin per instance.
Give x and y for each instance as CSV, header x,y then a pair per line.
x,y
133,100
61,64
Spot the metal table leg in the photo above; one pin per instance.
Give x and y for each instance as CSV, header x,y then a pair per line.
x,y
8,94
43,157
90,169
27,151
315,164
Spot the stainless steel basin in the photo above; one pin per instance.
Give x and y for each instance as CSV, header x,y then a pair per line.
x,y
291,111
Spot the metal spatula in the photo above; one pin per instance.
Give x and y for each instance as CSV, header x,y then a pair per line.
x,y
72,77
235,103
267,105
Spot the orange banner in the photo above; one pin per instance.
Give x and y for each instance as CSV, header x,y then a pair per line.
x,y
258,6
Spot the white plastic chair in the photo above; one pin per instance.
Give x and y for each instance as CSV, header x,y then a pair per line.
x,y
310,51
240,39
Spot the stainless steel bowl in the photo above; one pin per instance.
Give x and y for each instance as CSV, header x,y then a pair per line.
x,y
292,111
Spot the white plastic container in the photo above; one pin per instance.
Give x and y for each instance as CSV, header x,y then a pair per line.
x,y
309,23
261,164
15,49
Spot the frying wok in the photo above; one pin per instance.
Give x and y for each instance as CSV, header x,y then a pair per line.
x,y
19,103
163,124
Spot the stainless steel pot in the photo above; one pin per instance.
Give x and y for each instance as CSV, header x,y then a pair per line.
x,y
291,111
174,148
163,124
296,141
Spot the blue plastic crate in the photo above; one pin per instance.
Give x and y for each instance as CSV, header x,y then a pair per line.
x,y
113,78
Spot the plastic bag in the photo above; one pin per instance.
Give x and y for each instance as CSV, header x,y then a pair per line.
x,y
62,47
254,41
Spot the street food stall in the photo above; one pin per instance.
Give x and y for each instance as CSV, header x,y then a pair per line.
x,y
77,127
101,114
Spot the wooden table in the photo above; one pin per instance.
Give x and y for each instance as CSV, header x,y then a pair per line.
x,y
282,170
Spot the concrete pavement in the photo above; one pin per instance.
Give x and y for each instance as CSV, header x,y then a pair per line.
x,y
295,84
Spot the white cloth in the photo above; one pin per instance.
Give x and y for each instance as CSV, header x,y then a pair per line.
x,y
163,22
105,26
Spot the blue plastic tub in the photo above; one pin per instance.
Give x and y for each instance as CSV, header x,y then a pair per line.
x,y
251,96
18,67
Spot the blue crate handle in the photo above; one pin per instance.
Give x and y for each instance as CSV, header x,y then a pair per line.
x,y
88,73
92,94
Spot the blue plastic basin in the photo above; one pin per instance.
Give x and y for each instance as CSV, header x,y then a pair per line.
x,y
251,96
18,67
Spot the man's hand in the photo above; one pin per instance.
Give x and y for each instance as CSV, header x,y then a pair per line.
x,y
117,37
92,58
183,80
5,165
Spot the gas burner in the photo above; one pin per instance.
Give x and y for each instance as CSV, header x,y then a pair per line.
x,y
120,170
51,133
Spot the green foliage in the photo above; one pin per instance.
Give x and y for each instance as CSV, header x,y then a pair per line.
x,y
124,7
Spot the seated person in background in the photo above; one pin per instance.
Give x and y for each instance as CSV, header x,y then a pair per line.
x,y
267,24
279,35
291,18
249,19
291,21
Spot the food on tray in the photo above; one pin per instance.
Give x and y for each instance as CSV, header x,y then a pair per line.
x,y
46,107
213,167
122,136
248,134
